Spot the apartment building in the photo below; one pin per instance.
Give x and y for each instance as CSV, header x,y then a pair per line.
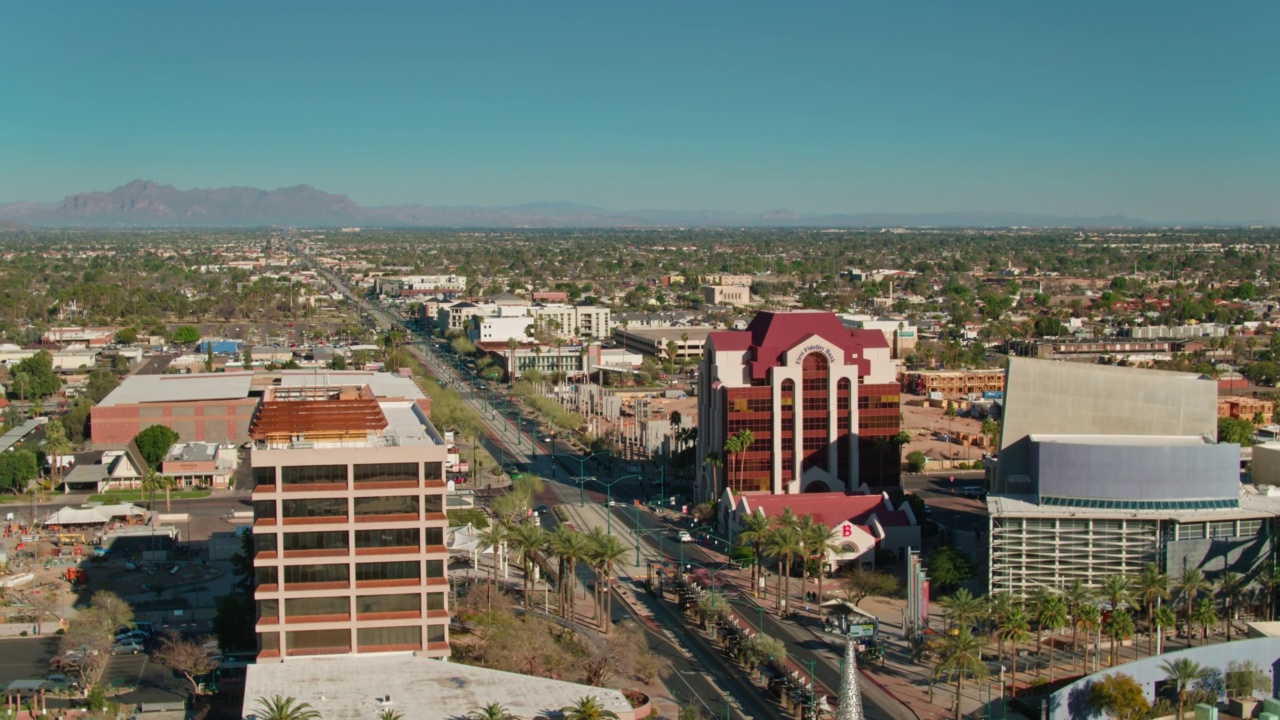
x,y
726,294
349,519
1242,407
953,382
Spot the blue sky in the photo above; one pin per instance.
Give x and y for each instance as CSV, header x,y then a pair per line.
x,y
1166,111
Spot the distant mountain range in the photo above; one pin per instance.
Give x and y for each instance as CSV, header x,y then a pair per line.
x,y
143,203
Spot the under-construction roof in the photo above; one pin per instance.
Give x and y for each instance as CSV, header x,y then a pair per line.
x,y
352,415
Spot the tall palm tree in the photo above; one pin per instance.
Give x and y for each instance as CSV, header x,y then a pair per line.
x,y
961,656
1162,619
821,540
55,445
962,608
1088,619
755,532
1270,579
1051,616
1119,624
278,707
1151,586
1188,585
1076,595
1014,628
492,711
604,551
587,708
495,537
732,446
569,547
1182,672
1204,614
1230,585
528,539
1117,589
999,605
784,544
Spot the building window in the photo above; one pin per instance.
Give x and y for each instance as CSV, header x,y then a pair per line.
x,y
269,610
264,476
1222,530
298,574
309,607
1249,528
386,472
815,375
433,504
264,509
264,542
336,540
387,505
265,576
407,570
318,642
433,471
399,636
435,633
435,568
435,601
315,507
433,536
269,642
374,604
314,475
389,538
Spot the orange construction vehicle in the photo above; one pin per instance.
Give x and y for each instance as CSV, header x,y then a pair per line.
x,y
76,576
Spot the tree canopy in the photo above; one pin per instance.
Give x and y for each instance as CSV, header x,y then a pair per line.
x,y
17,468
154,442
33,377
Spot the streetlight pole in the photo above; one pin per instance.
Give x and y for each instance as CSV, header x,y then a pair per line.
x,y
581,478
813,709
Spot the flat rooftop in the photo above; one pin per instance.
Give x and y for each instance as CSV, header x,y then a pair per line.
x,y
354,688
180,388
1122,440
381,384
1254,504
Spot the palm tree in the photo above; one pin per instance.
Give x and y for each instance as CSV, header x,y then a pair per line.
x,y
492,711
389,714
603,551
278,707
1119,624
528,539
821,540
1188,585
55,445
569,547
1182,672
755,532
999,605
784,544
713,460
1152,586
587,708
1051,616
1230,585
961,655
732,446
1204,614
1117,589
1077,596
1162,619
1014,628
1270,579
962,608
494,536
1089,619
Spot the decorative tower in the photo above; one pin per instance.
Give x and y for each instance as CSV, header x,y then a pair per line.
x,y
850,694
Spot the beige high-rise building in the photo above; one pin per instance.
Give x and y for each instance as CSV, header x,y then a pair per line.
x,y
349,518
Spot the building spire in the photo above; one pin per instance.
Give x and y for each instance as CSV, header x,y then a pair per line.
x,y
850,694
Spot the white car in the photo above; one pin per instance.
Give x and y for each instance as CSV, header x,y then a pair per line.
x,y
684,536
131,647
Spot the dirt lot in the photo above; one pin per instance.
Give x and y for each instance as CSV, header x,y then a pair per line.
x,y
928,424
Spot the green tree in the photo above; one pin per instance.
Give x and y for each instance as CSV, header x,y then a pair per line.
x,y
1117,625
587,708
279,707
492,711
154,443
1245,678
1182,672
755,532
961,656
55,446
1188,585
528,539
17,469
1151,586
1230,585
1119,696
1051,616
127,336
1076,595
1235,430
859,584
1162,619
1204,614
962,608
1014,628
915,461
948,567
185,335
784,544
33,377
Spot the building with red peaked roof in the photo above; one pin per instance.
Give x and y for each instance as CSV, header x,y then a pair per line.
x,y
821,402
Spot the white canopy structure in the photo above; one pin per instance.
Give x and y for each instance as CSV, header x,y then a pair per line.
x,y
94,514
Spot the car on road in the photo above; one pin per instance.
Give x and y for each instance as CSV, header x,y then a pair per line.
x,y
612,503
684,536
128,647
542,509
977,492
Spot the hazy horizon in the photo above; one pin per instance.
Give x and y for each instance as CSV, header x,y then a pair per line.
x,y
1159,112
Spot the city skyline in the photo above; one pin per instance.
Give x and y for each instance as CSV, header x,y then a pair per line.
x,y
1152,112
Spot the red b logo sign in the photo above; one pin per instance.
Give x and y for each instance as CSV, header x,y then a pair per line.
x,y
846,530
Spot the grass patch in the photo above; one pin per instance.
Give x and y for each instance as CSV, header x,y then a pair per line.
x,y
115,496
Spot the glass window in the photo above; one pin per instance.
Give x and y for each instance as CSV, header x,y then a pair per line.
x,y
269,641
435,633
264,509
386,472
264,476
1222,529
394,537
433,504
265,576
264,542
304,607
1191,531
268,609
306,642
1249,528
335,540
315,507
388,603
406,570
374,637
435,601
435,568
387,505
433,471
434,536
294,574
314,474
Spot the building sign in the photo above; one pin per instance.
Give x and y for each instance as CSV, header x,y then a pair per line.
x,y
817,348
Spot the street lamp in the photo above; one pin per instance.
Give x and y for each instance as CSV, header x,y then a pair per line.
x,y
581,479
813,709
608,487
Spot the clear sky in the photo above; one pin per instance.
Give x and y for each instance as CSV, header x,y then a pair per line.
x,y
1159,110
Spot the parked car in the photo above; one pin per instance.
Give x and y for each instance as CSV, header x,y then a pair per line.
x,y
62,683
130,647
133,636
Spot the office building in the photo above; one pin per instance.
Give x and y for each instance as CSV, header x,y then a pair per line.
x,y
349,518
820,400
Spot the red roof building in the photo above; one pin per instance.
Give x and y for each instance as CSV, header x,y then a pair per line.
x,y
819,399
861,523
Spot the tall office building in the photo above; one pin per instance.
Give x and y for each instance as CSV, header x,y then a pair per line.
x,y
349,518
820,400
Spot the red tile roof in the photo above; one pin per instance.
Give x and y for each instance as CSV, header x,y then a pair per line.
x,y
831,508
771,335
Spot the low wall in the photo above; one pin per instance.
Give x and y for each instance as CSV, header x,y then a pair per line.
x,y
1070,703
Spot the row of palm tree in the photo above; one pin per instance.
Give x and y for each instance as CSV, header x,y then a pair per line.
x,y
788,538
600,550
279,707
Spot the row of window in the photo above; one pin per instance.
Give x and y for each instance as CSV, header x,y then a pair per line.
x,y
361,506
341,572
1099,504
365,605
337,474
340,540
1220,530
304,642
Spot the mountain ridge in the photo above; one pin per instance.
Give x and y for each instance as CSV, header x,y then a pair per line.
x,y
145,203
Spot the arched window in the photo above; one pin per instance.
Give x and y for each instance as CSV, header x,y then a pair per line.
x,y
788,416
813,387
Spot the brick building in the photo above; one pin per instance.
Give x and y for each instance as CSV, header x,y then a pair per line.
x,y
208,407
953,382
